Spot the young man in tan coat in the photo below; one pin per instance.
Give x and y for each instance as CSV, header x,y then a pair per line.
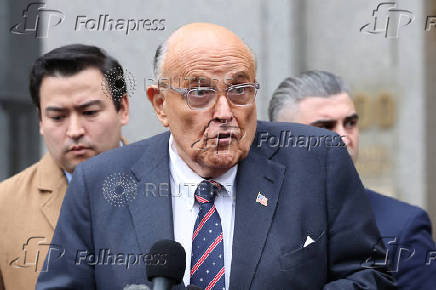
x,y
82,102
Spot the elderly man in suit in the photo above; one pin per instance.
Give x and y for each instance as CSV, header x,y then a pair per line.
x,y
321,99
250,215
78,120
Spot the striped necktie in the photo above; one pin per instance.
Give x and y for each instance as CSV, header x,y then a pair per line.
x,y
207,261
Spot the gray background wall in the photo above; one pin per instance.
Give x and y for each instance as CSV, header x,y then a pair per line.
x,y
20,143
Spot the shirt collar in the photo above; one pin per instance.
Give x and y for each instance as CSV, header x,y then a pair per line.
x,y
186,180
68,176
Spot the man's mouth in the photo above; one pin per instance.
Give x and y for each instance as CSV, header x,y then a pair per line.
x,y
218,136
225,133
225,136
224,139
79,149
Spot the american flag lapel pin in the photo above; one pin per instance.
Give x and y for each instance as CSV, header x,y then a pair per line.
x,y
263,200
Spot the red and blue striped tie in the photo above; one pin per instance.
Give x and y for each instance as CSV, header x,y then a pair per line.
x,y
207,261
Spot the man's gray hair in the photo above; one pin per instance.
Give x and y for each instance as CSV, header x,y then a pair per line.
x,y
158,60
308,84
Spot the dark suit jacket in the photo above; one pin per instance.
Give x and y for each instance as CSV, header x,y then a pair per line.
x,y
406,231
314,193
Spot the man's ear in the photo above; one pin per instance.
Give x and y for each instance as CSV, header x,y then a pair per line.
x,y
157,100
124,109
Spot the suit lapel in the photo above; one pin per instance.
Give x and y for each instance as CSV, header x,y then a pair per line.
x,y
256,174
52,185
151,211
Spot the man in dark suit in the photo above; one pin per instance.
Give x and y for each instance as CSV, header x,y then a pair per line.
x,y
259,215
321,99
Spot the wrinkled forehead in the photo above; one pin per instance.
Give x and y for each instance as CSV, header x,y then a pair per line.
x,y
211,57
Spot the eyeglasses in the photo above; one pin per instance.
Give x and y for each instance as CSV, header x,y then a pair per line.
x,y
202,98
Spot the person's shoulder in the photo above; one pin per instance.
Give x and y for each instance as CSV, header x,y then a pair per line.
x,y
394,216
20,177
9,188
394,205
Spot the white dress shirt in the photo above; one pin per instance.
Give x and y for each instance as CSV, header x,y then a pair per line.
x,y
183,184
68,176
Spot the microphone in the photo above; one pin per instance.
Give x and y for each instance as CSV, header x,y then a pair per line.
x,y
167,265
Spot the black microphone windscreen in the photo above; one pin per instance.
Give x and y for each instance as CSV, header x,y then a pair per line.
x,y
166,259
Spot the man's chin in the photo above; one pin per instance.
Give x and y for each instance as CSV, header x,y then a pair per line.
x,y
72,163
220,159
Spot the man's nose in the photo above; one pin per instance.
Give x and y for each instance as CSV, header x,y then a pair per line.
x,y
75,128
223,111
